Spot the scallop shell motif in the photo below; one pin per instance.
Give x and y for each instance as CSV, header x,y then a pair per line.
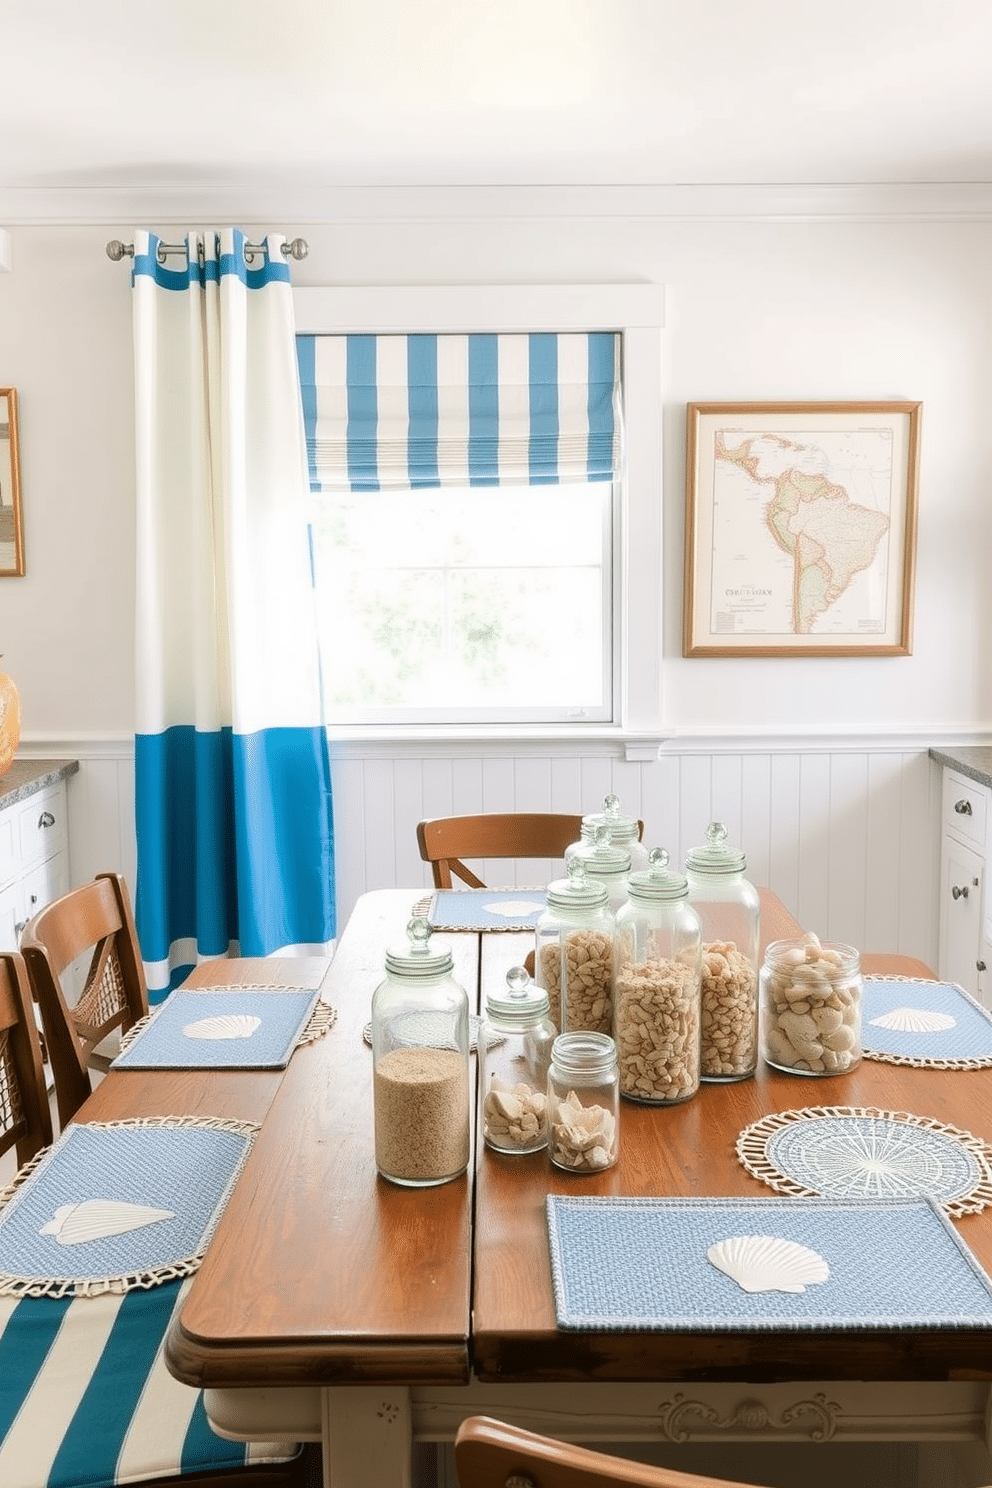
x,y
514,909
768,1263
914,1020
96,1219
223,1026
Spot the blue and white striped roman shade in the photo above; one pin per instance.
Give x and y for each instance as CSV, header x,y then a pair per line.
x,y
402,412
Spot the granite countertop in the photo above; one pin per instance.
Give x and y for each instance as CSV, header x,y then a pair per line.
x,y
975,763
28,776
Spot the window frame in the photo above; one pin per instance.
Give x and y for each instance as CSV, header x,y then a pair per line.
x,y
636,311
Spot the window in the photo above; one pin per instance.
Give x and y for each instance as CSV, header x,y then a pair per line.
x,y
464,577
461,604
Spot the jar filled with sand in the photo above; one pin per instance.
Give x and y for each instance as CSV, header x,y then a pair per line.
x,y
420,1060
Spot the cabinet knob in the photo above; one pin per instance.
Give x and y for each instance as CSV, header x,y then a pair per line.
x,y
980,966
959,893
962,807
46,819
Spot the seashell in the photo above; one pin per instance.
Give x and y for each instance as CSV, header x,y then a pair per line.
x,y
768,1263
95,1219
914,1020
223,1026
514,909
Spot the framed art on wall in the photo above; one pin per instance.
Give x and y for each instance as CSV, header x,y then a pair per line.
x,y
11,526
800,528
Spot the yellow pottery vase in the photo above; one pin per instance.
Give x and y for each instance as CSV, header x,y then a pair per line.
x,y
10,722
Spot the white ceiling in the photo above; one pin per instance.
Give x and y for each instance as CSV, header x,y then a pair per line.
x,y
128,94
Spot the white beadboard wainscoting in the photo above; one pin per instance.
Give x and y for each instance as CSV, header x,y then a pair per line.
x,y
846,832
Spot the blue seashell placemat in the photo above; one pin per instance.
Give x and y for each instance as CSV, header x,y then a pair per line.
x,y
234,1029
483,909
644,1264
116,1205
935,1025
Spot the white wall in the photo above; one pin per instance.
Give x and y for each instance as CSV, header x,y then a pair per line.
x,y
755,310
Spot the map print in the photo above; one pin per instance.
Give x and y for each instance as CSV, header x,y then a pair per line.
x,y
799,523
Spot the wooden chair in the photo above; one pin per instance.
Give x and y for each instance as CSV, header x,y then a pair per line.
x,y
489,1454
94,920
25,1118
446,840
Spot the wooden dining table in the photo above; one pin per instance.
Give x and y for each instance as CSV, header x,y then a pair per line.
x,y
335,1305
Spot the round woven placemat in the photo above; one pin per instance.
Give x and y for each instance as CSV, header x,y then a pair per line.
x,y
863,1153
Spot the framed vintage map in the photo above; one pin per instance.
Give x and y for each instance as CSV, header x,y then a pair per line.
x,y
800,528
11,532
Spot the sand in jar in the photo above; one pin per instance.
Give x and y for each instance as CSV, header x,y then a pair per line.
x,y
421,1115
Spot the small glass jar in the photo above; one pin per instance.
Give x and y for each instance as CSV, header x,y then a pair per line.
x,y
573,952
514,1044
811,1006
624,831
420,1062
729,911
657,977
605,861
583,1102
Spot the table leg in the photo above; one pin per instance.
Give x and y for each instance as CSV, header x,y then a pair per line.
x,y
367,1436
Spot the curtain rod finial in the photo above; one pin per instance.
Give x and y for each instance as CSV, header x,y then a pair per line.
x,y
116,250
298,248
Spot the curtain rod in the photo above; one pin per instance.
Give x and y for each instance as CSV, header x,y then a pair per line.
x,y
298,248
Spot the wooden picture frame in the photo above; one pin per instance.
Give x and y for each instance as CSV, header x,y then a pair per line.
x,y
800,528
11,523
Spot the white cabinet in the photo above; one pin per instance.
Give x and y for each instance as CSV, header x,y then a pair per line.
x,y
34,847
985,969
966,816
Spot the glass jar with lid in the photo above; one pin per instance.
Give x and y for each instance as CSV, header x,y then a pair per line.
x,y
605,861
573,952
623,831
583,1102
729,911
656,987
810,992
420,1062
514,1044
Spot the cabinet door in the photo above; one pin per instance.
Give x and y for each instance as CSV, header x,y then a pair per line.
x,y
985,970
45,882
962,914
10,916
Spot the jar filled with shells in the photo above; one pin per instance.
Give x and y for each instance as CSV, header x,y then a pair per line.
x,y
621,831
573,952
605,861
514,1044
420,1064
810,993
656,987
583,1102
729,912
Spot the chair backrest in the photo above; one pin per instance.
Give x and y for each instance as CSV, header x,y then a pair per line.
x,y
446,840
489,1454
94,920
25,1118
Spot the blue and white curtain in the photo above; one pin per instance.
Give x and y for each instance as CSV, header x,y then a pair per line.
x,y
457,410
233,794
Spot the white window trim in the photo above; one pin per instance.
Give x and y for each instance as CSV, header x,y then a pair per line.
x,y
637,311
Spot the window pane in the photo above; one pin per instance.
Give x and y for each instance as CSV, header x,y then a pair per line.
x,y
446,604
